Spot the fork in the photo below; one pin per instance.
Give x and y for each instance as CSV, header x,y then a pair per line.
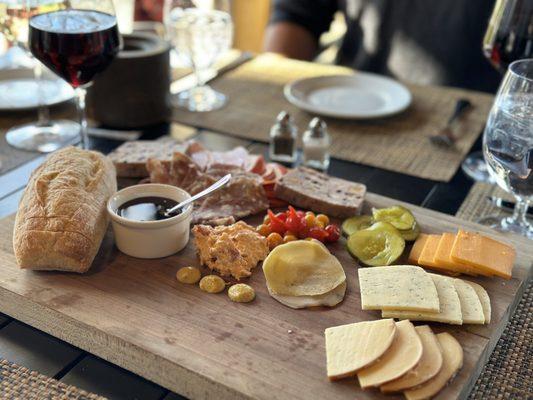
x,y
445,137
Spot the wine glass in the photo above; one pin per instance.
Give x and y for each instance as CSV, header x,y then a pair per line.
x,y
43,135
508,143
200,31
508,38
76,42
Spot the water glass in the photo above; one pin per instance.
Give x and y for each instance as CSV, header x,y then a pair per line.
x,y
200,32
508,143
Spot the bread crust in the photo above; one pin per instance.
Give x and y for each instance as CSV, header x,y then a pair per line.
x,y
62,217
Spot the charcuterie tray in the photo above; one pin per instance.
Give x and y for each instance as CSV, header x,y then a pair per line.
x,y
134,313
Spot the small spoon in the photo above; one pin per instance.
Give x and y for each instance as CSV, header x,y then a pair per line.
x,y
215,186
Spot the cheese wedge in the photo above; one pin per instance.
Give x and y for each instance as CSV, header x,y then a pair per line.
x,y
470,304
450,306
399,287
429,365
354,346
452,357
404,353
483,298
329,299
485,255
417,248
442,256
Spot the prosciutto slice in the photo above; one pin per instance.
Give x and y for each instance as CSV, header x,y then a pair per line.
x,y
244,195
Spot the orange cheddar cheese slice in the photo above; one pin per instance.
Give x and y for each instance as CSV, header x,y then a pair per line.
x,y
427,255
442,256
485,255
417,248
428,252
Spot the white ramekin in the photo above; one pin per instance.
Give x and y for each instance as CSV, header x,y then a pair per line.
x,y
150,239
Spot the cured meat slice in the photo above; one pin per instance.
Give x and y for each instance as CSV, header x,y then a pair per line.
x,y
205,159
243,196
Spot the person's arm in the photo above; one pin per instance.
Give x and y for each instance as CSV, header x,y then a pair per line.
x,y
291,40
296,26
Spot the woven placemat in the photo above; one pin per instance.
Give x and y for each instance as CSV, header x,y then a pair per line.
x,y
476,205
508,373
17,382
399,143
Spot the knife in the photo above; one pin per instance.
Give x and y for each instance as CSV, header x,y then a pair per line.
x,y
189,81
506,205
113,134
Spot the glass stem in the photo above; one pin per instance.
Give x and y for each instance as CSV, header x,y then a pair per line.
x,y
43,118
80,103
200,74
519,216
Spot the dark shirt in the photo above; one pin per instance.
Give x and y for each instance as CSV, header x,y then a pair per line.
x,y
421,41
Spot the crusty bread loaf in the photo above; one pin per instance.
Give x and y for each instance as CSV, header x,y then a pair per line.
x,y
62,217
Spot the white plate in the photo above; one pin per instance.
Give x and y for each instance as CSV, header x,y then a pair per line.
x,y
359,96
18,90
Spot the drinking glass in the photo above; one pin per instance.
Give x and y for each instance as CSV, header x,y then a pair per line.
x,y
508,38
508,143
43,135
200,31
75,42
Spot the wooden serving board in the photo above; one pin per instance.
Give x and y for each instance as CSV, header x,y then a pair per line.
x,y
134,313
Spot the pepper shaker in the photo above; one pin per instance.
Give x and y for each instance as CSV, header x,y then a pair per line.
x,y
316,142
283,136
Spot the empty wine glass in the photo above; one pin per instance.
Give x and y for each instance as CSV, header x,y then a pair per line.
x,y
76,41
508,143
44,135
200,31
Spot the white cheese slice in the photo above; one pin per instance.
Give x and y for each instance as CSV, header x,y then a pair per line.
x,y
403,355
429,365
483,298
452,357
330,299
450,306
399,287
354,346
470,304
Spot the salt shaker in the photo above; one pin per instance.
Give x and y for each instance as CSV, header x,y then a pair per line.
x,y
283,136
316,142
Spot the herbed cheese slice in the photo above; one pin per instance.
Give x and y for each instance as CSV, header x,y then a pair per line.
x,y
483,298
442,256
417,248
485,255
450,306
429,365
399,287
470,304
452,357
403,354
354,346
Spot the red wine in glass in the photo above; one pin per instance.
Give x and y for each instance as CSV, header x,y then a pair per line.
x,y
75,44
509,36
